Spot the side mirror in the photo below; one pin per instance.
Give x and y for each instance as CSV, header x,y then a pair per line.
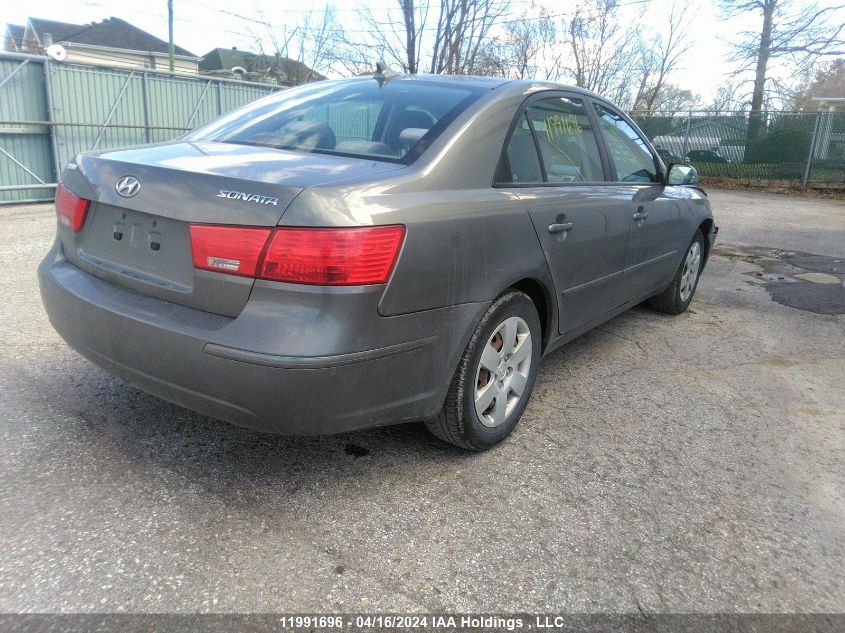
x,y
681,174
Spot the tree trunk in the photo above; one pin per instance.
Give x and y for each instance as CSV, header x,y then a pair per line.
x,y
641,92
655,91
755,121
410,35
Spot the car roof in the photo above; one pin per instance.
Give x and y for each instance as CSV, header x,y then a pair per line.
x,y
490,83
464,80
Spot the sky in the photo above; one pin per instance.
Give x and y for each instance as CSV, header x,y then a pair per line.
x,y
201,25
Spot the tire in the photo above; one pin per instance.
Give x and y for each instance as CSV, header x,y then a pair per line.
x,y
459,422
677,297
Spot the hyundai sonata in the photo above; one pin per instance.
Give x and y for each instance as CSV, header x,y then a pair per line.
x,y
356,253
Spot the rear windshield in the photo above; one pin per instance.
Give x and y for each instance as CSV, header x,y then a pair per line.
x,y
394,122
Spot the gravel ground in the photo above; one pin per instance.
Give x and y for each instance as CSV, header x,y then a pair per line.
x,y
664,464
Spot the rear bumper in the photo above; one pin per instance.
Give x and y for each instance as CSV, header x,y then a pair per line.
x,y
182,355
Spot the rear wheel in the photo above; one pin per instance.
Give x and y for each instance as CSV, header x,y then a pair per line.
x,y
677,297
495,376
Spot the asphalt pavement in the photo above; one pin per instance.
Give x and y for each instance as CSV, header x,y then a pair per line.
x,y
664,464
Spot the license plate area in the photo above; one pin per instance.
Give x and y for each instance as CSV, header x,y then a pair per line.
x,y
144,247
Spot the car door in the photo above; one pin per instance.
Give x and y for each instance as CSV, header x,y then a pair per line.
x,y
657,223
554,164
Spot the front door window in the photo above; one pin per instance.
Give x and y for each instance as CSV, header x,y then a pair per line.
x,y
631,156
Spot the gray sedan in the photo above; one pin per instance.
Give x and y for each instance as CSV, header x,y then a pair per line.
x,y
357,253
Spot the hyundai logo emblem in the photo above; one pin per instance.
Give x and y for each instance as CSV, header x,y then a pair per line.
x,y
128,186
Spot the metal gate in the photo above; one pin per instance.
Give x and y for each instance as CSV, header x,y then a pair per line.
x,y
27,170
50,111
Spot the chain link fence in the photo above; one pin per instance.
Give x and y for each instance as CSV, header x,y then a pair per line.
x,y
795,146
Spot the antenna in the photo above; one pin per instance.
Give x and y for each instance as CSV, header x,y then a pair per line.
x,y
383,73
57,52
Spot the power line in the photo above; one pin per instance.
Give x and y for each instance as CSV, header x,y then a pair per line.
x,y
311,32
374,31
269,24
163,17
391,7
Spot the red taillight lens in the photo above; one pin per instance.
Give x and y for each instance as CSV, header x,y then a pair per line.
x,y
70,208
332,256
320,256
227,249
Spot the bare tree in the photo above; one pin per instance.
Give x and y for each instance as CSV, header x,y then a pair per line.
x,y
410,42
462,27
671,98
314,47
789,29
395,41
596,45
412,38
726,99
662,56
601,51
302,51
520,50
352,60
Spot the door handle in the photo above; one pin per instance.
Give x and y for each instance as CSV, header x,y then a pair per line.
x,y
560,227
641,214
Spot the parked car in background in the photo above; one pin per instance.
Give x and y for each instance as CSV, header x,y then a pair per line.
x,y
357,253
668,156
706,156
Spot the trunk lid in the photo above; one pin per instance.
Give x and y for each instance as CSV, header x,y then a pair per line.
x,y
142,242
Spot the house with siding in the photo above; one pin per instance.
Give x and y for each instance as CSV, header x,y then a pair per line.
x,y
111,42
237,64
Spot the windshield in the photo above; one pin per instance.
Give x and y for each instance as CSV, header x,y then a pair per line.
x,y
393,122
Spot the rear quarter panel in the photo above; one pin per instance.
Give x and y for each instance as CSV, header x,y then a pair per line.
x,y
460,247
466,241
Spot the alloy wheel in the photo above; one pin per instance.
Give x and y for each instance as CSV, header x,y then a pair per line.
x,y
503,370
689,274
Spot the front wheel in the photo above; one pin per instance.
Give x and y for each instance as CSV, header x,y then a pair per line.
x,y
677,297
495,376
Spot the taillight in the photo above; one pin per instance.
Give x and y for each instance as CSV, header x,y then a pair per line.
x,y
332,256
353,256
227,249
70,208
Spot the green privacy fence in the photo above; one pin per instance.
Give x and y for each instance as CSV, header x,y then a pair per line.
x,y
50,111
796,146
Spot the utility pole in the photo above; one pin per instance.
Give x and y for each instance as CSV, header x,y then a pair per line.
x,y
170,34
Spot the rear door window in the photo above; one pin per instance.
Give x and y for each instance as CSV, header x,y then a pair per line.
x,y
566,140
631,156
520,163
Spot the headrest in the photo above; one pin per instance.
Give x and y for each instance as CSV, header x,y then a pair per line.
x,y
410,135
364,147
